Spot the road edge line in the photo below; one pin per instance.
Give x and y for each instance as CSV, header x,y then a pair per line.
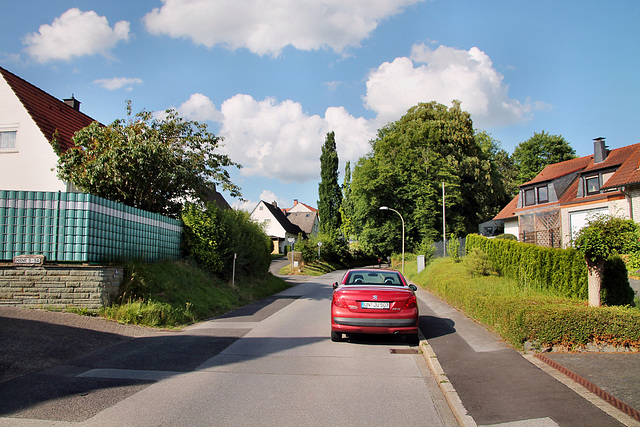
x,y
451,396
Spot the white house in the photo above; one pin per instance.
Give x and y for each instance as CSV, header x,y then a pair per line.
x,y
276,224
29,118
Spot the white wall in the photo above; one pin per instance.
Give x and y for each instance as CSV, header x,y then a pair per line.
x,y
511,227
262,215
575,217
29,167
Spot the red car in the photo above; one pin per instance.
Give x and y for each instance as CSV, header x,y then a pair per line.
x,y
374,301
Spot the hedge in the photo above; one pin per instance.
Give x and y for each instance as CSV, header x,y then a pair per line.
x,y
562,271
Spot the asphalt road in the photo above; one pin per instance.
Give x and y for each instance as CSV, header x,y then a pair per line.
x,y
268,364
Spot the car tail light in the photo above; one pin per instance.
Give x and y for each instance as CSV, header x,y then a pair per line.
x,y
411,302
338,301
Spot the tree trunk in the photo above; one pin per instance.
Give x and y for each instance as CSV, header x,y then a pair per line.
x,y
596,271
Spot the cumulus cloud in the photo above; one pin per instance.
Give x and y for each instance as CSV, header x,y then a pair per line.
x,y
266,195
118,83
265,28
445,74
200,108
74,34
279,140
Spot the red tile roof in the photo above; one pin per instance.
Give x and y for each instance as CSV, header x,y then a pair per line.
x,y
48,112
558,170
628,172
508,211
626,159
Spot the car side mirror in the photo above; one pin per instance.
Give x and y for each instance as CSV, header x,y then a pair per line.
x,y
413,287
335,286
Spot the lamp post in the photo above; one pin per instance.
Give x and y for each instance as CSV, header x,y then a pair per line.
x,y
386,208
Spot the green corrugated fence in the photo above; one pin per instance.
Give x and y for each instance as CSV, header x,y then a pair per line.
x,y
83,228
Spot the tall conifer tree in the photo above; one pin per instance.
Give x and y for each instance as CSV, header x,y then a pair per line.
x,y
328,190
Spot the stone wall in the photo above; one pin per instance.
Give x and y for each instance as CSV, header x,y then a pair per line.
x,y
59,286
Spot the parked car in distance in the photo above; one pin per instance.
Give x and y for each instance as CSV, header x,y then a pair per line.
x,y
374,301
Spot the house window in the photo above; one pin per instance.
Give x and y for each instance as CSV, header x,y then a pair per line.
x,y
593,185
543,194
529,197
8,139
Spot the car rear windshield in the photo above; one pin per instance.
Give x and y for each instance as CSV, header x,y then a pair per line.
x,y
374,278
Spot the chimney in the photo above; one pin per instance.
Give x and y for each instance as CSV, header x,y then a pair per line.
x,y
73,103
295,202
600,151
275,204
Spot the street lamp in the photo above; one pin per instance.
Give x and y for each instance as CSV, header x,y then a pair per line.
x,y
386,208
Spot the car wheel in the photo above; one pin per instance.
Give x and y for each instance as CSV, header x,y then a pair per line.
x,y
336,336
412,338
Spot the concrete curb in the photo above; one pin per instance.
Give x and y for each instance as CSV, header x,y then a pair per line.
x,y
455,403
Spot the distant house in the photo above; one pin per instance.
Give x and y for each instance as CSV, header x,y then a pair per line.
x,y
29,119
550,209
300,207
277,225
304,216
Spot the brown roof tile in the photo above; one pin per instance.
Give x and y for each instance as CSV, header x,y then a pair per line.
x,y
628,172
558,170
48,112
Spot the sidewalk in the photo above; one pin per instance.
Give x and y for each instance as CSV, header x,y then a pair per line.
x,y
496,384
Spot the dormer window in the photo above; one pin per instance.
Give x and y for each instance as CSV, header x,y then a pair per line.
x,y
543,194
536,195
593,185
529,197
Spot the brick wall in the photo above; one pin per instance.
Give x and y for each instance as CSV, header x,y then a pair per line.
x,y
59,286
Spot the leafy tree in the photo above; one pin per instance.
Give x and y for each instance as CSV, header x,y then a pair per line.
x,y
409,161
145,162
603,237
503,173
542,149
328,189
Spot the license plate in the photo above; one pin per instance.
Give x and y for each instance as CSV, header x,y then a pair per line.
x,y
375,304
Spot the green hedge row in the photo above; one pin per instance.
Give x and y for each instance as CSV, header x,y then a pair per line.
x,y
562,271
538,319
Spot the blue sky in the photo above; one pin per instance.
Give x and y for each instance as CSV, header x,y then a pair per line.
x,y
273,77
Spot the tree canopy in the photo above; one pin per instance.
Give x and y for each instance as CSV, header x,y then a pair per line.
x,y
329,190
155,164
542,149
409,161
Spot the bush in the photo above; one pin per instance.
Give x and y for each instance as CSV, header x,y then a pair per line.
x,y
507,237
477,263
212,236
428,249
453,247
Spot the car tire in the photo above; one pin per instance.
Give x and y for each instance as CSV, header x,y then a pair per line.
x,y
412,339
336,336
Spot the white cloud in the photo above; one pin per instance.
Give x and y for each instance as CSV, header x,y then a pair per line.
x,y
200,108
278,140
446,74
118,83
265,28
266,195
74,34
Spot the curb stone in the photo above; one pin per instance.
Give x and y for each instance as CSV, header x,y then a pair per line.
x,y
455,403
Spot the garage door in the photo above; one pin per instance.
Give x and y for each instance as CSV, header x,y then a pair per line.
x,y
579,219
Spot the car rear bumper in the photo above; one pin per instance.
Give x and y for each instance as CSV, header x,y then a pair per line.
x,y
377,322
359,325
